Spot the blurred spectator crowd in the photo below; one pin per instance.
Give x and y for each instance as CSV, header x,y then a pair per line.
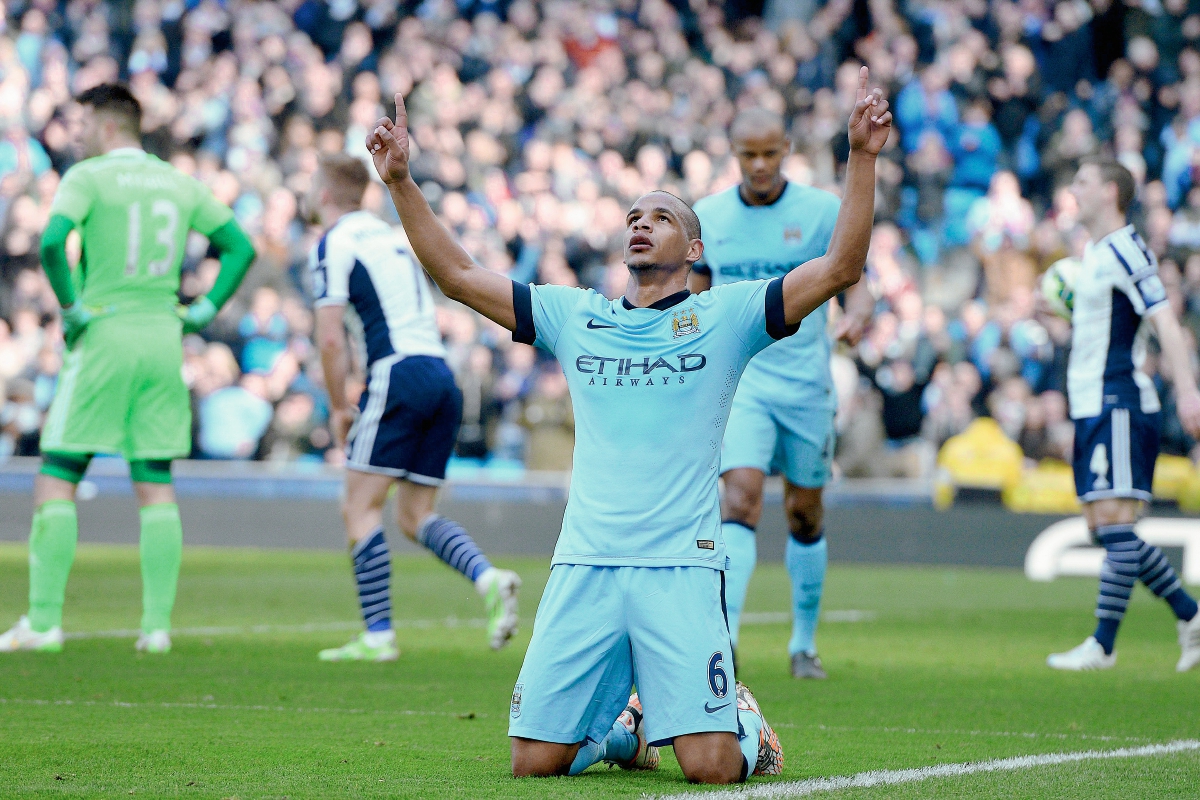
x,y
534,127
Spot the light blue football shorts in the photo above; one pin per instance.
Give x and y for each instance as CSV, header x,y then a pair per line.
x,y
762,434
602,630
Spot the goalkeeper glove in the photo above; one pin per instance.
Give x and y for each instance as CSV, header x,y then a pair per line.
x,y
75,319
198,315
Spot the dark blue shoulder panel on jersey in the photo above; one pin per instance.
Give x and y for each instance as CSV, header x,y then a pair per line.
x,y
523,306
777,325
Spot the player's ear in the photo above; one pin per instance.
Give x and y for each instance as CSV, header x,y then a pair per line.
x,y
695,251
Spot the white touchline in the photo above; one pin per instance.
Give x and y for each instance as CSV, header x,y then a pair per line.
x,y
787,789
310,627
951,732
18,701
778,617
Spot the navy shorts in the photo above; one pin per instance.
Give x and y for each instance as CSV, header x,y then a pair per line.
x,y
1115,454
408,420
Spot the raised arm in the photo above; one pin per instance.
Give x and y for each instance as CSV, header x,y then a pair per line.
x,y
1178,360
812,283
452,269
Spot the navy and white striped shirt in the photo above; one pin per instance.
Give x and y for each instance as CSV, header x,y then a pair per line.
x,y
1117,289
363,263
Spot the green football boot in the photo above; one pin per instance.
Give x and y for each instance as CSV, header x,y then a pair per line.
x,y
499,589
361,649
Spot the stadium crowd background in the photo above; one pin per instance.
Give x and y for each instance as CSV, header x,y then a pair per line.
x,y
536,124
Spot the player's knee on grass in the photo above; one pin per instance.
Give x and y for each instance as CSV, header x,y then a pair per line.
x,y
534,759
710,758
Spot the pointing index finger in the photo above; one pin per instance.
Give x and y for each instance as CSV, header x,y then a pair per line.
x,y
863,74
401,111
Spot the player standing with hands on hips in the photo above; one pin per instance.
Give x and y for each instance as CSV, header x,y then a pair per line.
x,y
1116,410
635,593
782,415
121,389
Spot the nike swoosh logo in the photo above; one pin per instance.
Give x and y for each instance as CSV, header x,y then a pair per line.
x,y
593,326
714,710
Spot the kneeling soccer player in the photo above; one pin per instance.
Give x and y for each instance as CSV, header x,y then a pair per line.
x,y
121,388
635,593
409,414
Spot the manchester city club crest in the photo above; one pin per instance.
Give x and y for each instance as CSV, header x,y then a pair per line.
x,y
516,700
685,323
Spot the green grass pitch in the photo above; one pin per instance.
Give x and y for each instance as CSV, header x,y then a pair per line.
x,y
946,666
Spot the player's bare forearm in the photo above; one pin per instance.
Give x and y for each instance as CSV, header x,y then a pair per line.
x,y
698,282
1178,360
452,269
856,314
809,285
860,303
331,342
455,273
1174,350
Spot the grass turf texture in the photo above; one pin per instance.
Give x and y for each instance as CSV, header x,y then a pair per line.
x,y
949,669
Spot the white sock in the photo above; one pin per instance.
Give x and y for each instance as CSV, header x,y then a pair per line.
x,y
379,638
483,583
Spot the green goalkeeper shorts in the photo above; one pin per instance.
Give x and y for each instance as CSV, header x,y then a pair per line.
x,y
121,391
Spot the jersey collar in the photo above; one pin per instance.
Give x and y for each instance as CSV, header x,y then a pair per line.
x,y
782,192
126,151
662,304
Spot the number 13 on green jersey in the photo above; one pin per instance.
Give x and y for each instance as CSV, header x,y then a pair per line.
x,y
134,212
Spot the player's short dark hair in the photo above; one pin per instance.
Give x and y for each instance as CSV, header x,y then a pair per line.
x,y
1113,171
691,222
115,99
346,178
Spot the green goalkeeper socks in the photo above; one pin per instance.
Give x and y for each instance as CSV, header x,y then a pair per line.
x,y
52,541
162,551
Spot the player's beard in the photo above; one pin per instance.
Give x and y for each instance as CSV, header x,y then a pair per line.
x,y
649,269
761,198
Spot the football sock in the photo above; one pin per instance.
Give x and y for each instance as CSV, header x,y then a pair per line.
x,y
373,574
52,539
749,733
618,745
449,542
806,565
742,546
162,551
1159,576
1117,578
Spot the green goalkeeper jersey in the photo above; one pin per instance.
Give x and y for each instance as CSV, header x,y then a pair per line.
x,y
134,212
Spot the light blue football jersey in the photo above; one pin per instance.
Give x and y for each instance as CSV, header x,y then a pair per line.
x,y
651,390
743,242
